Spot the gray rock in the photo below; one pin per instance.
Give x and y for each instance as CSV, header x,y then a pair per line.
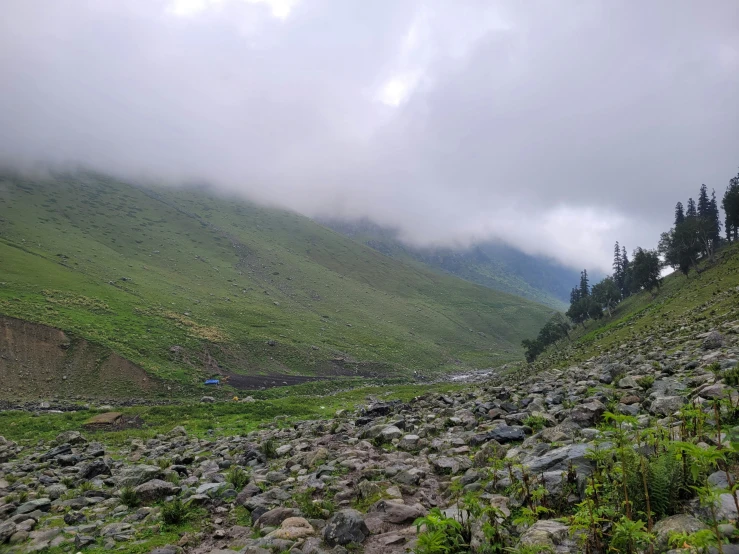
x,y
666,405
713,340
507,433
134,475
559,459
71,437
7,528
409,442
681,523
155,490
393,512
346,526
41,504
549,533
207,399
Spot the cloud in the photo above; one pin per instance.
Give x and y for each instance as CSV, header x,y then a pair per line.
x,y
557,127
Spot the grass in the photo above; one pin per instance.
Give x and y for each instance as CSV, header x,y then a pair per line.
x,y
140,271
706,300
208,420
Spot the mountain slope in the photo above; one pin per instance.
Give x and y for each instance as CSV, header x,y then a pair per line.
x,y
491,264
187,284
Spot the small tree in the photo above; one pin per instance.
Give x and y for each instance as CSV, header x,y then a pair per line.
x,y
606,294
645,270
681,246
730,204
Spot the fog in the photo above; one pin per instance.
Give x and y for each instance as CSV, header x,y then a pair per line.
x,y
557,127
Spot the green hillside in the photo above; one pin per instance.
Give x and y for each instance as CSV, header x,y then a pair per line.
x,y
491,264
665,319
186,284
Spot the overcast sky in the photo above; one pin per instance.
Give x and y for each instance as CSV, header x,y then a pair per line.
x,y
557,126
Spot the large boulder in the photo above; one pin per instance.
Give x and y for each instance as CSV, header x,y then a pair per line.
x,y
681,523
666,405
8,450
95,468
507,433
7,528
292,529
155,490
560,459
588,414
547,533
346,526
394,512
134,475
713,340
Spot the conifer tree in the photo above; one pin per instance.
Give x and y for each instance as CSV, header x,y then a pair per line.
x,y
584,285
730,204
625,273
691,210
679,213
617,267
703,202
713,219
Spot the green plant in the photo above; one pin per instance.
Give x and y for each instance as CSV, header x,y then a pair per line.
x,y
163,463
439,534
700,541
68,482
86,486
312,508
731,376
269,448
630,536
129,497
175,512
645,382
536,422
237,477
173,477
22,496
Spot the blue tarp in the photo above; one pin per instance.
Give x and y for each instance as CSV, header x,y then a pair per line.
x,y
212,382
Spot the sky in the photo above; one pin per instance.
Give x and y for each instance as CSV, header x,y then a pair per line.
x,y
558,127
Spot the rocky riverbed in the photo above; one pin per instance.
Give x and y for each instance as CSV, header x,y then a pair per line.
x,y
361,478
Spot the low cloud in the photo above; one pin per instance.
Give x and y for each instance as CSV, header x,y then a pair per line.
x,y
557,127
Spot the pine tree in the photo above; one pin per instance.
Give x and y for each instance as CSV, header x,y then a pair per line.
x,y
574,295
714,221
617,267
730,204
584,285
679,213
703,202
691,210
625,272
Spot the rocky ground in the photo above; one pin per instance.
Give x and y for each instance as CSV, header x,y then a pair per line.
x,y
361,479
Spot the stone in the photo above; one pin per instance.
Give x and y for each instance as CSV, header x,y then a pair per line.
x,y
346,526
588,414
207,400
155,490
292,529
391,432
505,434
134,475
393,512
713,340
549,533
681,523
41,504
274,517
666,405
71,437
93,469
7,528
559,459
446,465
409,442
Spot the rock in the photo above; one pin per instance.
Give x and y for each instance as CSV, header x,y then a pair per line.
x,y
346,526
681,523
409,442
71,437
549,533
506,433
41,504
118,531
155,490
93,469
445,465
57,451
588,414
713,340
293,528
207,399
559,459
41,540
391,432
134,475
666,405
274,517
392,512
168,549
7,528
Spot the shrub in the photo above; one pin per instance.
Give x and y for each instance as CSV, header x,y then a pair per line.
x,y
645,382
269,449
237,477
536,422
129,497
731,376
174,512
313,508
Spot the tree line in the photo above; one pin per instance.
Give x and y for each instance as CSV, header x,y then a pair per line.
x,y
694,236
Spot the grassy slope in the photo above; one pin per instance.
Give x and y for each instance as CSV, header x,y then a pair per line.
x,y
226,277
493,265
711,298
